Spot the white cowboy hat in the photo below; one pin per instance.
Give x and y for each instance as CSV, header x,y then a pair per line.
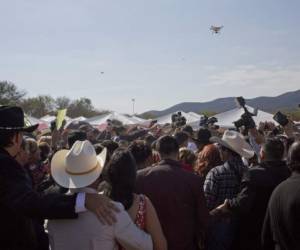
x,y
77,167
236,142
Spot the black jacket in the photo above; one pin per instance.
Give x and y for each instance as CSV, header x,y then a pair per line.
x,y
251,203
281,230
20,204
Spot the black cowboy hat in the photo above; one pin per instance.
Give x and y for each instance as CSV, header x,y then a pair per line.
x,y
12,118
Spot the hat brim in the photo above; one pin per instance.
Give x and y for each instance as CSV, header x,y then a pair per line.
x,y
244,151
30,129
64,179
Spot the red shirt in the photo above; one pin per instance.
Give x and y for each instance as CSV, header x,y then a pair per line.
x,y
179,202
187,167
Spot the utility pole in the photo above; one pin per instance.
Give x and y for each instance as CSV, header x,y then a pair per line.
x,y
133,102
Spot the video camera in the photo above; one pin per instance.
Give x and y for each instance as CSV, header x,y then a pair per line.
x,y
178,120
281,119
109,122
246,119
205,122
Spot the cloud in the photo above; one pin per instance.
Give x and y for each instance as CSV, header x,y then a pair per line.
x,y
269,78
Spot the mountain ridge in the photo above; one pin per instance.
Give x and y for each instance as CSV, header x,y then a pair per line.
x,y
286,101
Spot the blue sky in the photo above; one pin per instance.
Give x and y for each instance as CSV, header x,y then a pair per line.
x,y
159,52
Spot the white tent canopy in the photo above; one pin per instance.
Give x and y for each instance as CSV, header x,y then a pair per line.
x,y
226,119
33,120
50,118
126,120
195,115
138,119
190,117
76,120
79,118
195,124
42,124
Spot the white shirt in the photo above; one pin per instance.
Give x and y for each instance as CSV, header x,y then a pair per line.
x,y
192,146
88,233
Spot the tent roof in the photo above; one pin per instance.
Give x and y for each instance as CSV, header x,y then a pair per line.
x,y
195,115
79,118
190,117
138,119
101,119
42,124
50,118
227,118
76,120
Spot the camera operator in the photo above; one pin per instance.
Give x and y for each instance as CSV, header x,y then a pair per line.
x,y
289,127
209,123
246,125
178,120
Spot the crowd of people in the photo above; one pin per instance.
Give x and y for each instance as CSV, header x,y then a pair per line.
x,y
148,187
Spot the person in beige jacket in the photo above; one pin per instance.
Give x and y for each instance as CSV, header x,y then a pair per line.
x,y
79,169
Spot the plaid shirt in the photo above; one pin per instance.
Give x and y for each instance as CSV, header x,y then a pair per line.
x,y
223,182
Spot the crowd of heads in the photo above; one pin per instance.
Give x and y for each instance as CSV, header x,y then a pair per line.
x,y
192,147
133,148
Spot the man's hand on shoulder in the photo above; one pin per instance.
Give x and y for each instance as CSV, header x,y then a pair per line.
x,y
102,207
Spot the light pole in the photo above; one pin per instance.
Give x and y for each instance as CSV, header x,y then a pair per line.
x,y
133,101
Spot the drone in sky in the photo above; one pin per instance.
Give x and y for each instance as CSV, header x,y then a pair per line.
x,y
216,29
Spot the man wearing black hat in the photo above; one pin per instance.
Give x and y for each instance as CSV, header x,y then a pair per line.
x,y
19,203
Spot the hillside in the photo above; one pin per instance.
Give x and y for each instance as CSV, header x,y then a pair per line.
x,y
286,101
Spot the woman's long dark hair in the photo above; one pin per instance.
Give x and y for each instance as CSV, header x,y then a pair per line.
x,y
120,176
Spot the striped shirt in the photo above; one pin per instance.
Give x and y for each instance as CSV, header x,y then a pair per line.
x,y
223,182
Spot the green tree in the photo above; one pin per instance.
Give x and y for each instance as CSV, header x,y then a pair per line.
x,y
83,107
10,94
62,102
39,106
